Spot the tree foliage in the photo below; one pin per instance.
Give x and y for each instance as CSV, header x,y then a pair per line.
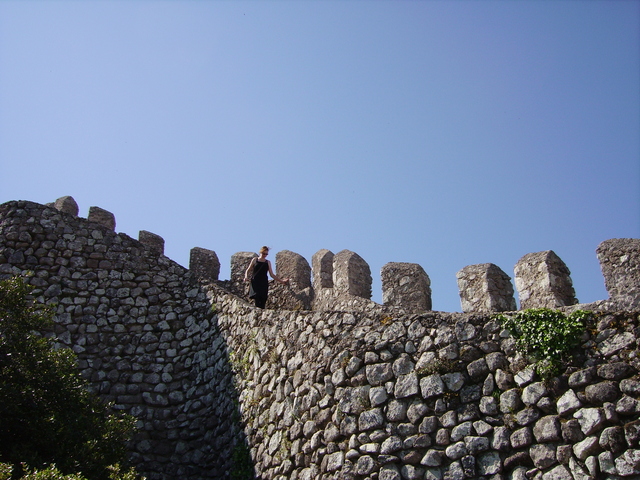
x,y
53,473
47,414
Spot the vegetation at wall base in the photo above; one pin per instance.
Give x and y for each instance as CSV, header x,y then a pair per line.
x,y
546,336
242,465
47,414
52,473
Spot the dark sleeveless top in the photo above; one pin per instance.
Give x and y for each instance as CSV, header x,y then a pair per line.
x,y
259,279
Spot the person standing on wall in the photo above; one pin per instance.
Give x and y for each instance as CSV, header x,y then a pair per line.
x,y
257,270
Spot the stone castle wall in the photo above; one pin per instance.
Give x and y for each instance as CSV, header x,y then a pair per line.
x,y
334,385
428,396
143,329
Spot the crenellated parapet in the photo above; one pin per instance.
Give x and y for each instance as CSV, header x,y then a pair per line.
x,y
102,217
153,241
485,288
406,285
351,274
239,263
293,266
544,281
67,205
298,294
620,263
343,280
204,264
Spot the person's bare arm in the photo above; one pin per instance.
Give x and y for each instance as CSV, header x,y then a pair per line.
x,y
275,277
249,268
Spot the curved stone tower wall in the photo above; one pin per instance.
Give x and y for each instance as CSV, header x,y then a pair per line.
x,y
144,332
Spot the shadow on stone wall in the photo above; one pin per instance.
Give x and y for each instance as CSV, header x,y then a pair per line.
x,y
144,332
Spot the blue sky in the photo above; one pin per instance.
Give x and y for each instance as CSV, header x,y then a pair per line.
x,y
445,133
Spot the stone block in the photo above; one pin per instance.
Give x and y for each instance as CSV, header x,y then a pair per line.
x,y
456,451
613,439
67,205
615,371
628,465
606,464
406,386
591,419
102,217
547,429
620,264
602,392
371,419
533,392
433,458
485,288
632,433
568,403
559,472
543,456
205,264
406,285
586,447
489,463
431,386
543,281
521,438
155,242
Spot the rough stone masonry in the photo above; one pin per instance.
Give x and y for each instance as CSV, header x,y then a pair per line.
x,y
335,386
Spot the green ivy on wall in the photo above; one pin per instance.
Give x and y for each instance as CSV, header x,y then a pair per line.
x,y
545,336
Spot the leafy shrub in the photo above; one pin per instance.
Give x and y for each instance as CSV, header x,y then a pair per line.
x,y
47,414
5,471
545,336
52,473
242,464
